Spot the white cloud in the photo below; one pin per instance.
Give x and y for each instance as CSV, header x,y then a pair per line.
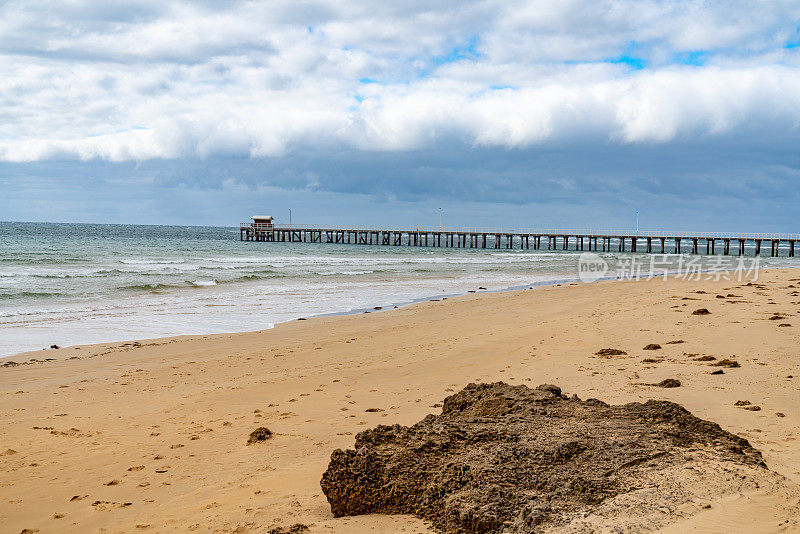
x,y
181,79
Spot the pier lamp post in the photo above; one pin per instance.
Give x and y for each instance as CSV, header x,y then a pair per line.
x,y
440,219
290,216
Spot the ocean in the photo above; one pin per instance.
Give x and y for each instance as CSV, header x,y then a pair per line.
x,y
71,284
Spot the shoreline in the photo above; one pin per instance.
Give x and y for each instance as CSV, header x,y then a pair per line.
x,y
166,420
352,311
368,309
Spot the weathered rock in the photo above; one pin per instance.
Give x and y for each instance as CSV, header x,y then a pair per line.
x,y
701,311
504,458
652,346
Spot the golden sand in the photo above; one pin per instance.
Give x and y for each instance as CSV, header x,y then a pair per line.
x,y
151,437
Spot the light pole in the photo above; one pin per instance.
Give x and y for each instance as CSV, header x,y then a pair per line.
x,y
637,222
290,216
440,219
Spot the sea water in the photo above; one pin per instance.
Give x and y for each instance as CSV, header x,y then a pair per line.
x,y
69,284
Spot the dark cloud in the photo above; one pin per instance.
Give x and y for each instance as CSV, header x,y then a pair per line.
x,y
679,188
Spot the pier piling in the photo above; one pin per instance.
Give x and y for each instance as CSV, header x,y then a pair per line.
x,y
516,239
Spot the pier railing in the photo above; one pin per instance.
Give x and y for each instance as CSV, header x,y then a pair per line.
x,y
523,238
539,231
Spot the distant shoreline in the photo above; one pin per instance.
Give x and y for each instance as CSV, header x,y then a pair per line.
x,y
355,311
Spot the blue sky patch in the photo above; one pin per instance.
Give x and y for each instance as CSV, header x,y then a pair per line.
x,y
457,53
696,58
633,62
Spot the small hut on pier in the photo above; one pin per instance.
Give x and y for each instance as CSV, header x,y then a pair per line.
x,y
262,222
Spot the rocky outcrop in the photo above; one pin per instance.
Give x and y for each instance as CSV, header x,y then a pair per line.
x,y
504,458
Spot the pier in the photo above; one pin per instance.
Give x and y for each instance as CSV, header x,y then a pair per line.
x,y
528,239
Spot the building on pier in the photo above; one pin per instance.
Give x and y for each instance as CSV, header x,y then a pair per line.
x,y
262,222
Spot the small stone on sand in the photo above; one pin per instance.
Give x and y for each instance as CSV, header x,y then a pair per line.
x,y
668,383
261,433
610,352
726,363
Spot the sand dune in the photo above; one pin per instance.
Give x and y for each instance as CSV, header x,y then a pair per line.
x,y
152,436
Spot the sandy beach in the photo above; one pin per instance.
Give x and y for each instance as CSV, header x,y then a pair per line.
x,y
151,435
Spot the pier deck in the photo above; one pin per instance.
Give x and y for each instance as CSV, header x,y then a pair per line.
x,y
651,242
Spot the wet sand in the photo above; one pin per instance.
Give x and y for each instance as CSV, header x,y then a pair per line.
x,y
151,436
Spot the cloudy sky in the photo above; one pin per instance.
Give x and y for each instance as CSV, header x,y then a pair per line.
x,y
569,114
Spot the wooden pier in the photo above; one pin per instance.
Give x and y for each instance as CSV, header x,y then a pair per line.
x,y
650,242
